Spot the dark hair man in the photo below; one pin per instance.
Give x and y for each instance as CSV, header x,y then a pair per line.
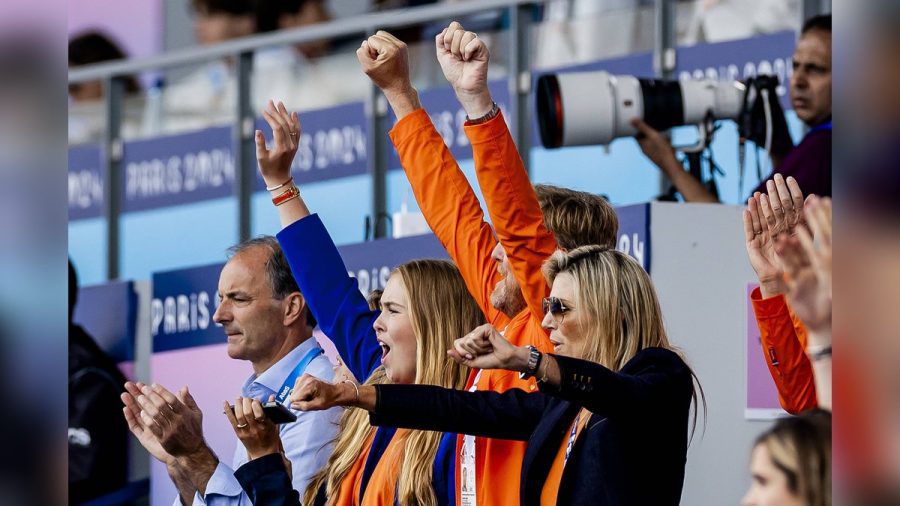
x,y
266,322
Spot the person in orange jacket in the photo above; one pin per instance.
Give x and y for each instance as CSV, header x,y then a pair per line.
x,y
501,265
783,335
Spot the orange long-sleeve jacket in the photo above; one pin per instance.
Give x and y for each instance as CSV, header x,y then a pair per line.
x,y
783,337
452,211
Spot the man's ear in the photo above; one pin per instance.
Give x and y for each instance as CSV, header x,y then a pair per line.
x,y
294,308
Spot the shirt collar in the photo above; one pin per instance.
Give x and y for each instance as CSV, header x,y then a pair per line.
x,y
273,378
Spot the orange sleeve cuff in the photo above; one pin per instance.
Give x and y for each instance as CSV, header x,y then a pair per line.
x,y
409,125
772,307
487,131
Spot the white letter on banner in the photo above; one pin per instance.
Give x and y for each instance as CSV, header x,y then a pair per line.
x,y
193,311
156,315
184,322
203,308
348,142
461,139
359,143
169,326
624,244
638,249
321,140
383,276
363,278
304,157
174,177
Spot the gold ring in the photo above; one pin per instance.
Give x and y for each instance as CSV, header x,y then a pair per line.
x,y
239,426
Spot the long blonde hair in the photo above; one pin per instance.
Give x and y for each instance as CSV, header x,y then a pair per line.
x,y
618,305
441,310
353,431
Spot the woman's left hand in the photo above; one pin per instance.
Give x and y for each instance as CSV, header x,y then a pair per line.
x,y
485,348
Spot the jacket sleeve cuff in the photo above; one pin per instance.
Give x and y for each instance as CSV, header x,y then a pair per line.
x,y
407,127
772,307
487,131
253,470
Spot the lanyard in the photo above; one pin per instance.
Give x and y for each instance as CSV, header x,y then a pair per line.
x,y
819,128
572,437
288,384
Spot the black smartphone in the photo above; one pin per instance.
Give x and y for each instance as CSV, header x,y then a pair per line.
x,y
277,413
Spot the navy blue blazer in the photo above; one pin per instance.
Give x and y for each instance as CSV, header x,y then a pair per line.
x,y
632,451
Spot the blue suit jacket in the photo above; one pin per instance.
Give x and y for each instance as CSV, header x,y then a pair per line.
x,y
632,451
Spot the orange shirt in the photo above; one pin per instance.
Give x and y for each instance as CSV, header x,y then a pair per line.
x,y
783,339
348,493
383,483
454,214
551,485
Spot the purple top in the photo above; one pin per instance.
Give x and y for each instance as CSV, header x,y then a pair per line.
x,y
810,164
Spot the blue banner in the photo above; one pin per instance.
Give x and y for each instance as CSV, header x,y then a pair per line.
x,y
85,182
182,308
108,312
332,144
372,262
178,169
448,118
634,232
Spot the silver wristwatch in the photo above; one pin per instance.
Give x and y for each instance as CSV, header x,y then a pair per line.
x,y
534,360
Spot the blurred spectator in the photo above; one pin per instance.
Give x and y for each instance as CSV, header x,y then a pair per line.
x,y
810,90
86,110
791,463
220,20
720,20
98,435
94,47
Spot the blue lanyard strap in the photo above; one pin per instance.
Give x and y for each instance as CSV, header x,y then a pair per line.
x,y
819,128
288,384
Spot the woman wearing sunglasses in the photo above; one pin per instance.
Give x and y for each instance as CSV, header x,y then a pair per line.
x,y
610,423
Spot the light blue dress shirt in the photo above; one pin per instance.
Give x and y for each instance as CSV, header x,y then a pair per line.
x,y
307,442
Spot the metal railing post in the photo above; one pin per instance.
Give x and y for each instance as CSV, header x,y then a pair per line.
x,y
376,159
244,145
520,79
114,94
664,56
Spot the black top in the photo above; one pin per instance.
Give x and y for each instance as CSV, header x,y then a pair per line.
x,y
809,162
632,451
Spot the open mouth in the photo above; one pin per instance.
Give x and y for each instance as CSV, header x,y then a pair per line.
x,y
385,349
556,344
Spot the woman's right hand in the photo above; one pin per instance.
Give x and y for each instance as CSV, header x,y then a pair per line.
x,y
312,394
485,348
275,163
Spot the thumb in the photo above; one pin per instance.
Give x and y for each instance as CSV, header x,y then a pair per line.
x,y
184,395
642,126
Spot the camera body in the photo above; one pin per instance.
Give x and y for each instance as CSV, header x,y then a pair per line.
x,y
589,108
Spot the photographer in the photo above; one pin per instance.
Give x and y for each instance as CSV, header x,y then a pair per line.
x,y
810,92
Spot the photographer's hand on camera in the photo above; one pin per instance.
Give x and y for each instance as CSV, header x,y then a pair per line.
x,y
464,60
660,151
385,59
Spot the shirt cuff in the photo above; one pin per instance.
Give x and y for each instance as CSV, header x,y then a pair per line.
x,y
487,131
409,126
222,483
772,307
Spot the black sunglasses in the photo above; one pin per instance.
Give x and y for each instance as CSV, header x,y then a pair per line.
x,y
554,306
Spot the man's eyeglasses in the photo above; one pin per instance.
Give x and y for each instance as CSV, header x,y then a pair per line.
x,y
555,307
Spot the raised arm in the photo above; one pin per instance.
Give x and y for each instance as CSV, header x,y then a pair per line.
x,y
510,415
447,201
508,193
655,378
331,294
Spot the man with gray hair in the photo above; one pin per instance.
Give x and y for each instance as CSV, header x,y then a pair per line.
x,y
266,322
